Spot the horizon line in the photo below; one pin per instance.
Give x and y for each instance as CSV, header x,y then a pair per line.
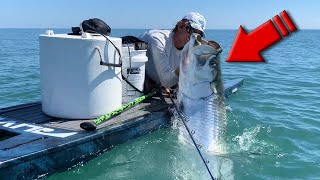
x,y
133,28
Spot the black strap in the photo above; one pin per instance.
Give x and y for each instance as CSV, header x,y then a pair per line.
x,y
126,80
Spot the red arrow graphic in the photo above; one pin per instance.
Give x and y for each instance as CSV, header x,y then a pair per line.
x,y
247,47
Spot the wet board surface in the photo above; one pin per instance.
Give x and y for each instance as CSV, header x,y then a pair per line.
x,y
33,144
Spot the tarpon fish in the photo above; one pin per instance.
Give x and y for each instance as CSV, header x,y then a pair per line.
x,y
201,95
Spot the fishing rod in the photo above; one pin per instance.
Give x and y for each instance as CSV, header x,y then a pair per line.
x,y
92,125
190,134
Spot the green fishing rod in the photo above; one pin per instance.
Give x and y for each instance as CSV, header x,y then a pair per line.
x,y
92,125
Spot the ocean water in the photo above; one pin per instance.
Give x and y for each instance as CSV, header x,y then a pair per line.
x,y
273,124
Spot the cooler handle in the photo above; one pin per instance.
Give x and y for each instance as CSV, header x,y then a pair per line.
x,y
104,63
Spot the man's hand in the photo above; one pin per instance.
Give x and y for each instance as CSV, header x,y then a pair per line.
x,y
168,90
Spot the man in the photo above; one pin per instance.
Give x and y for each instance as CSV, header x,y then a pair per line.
x,y
164,49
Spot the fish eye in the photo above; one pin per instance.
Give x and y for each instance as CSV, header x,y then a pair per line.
x,y
212,63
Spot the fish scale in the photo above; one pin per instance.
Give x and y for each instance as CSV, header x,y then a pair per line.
x,y
208,123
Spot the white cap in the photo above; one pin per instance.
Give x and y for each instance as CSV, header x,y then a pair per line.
x,y
196,20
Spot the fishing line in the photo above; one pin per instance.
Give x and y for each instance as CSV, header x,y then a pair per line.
x,y
190,134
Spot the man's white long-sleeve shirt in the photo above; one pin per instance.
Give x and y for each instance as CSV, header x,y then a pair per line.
x,y
163,57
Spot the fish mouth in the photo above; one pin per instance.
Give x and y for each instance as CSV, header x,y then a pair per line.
x,y
201,90
207,54
200,41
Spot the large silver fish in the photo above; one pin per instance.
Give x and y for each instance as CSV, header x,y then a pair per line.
x,y
201,95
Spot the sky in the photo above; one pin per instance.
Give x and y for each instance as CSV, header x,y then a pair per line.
x,y
150,14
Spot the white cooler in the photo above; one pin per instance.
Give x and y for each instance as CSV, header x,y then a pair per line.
x,y
73,83
133,67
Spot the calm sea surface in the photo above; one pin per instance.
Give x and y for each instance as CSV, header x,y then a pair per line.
x,y
273,126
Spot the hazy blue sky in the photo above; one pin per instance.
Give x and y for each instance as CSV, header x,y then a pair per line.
x,y
149,14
